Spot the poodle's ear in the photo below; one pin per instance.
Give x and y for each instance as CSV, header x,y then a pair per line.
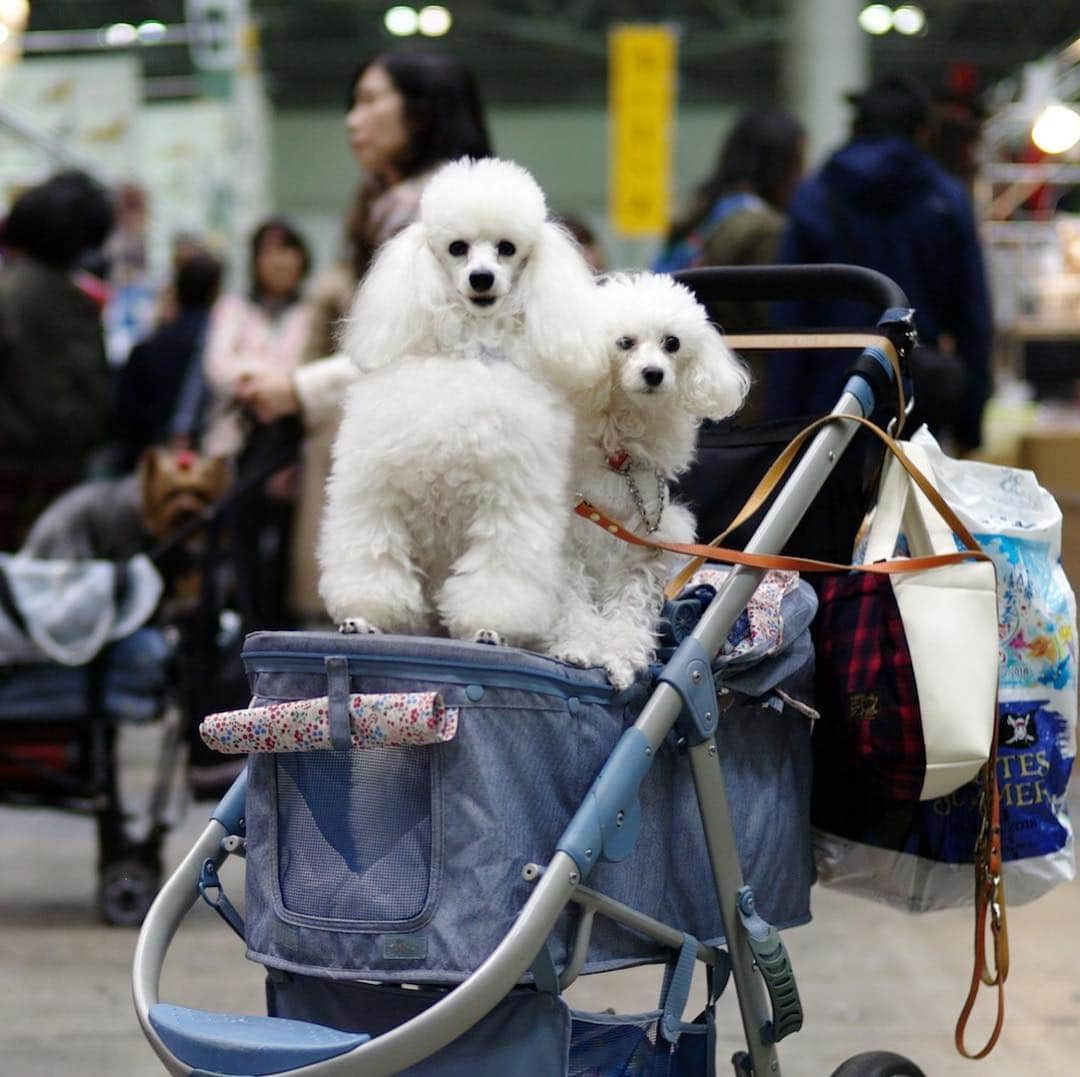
x,y
394,306
718,381
562,324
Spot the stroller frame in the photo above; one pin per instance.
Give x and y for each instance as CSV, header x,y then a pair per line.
x,y
603,826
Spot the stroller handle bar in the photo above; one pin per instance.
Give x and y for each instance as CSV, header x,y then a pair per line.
x,y
191,1041
813,282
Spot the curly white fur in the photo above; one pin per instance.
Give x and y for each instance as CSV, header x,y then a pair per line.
x,y
448,497
669,369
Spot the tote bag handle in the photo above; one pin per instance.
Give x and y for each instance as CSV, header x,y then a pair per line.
x,y
903,507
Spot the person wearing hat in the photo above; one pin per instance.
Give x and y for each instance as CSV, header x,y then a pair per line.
x,y
883,202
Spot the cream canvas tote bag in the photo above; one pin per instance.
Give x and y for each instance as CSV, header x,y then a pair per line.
x,y
951,624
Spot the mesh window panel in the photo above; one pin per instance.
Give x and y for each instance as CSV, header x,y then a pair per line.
x,y
355,833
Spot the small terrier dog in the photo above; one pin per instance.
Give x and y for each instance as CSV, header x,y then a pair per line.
x,y
448,497
669,369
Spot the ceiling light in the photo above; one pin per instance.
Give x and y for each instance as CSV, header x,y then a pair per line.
x,y
151,31
909,19
876,19
14,13
434,20
1057,129
401,21
120,34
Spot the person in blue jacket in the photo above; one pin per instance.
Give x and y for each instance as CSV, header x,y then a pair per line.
x,y
881,201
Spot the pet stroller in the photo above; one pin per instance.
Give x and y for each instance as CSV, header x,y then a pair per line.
x,y
419,905
87,645
79,658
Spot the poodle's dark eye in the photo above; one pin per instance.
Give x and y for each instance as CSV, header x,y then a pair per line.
x,y
671,344
506,249
459,248
625,343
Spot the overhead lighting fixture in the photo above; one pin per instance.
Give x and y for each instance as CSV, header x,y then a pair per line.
x,y
14,13
120,34
401,21
434,20
909,20
151,31
879,19
876,19
1057,129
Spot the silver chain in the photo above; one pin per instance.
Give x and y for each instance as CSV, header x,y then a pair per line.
x,y
651,524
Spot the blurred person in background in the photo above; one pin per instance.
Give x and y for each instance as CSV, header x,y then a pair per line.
x,y
54,378
955,133
407,113
736,218
132,306
263,331
148,385
883,202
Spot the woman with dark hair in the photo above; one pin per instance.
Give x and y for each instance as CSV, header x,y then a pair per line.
x,y
737,215
407,113
54,379
262,331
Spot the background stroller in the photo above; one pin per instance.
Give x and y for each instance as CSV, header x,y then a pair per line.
x,y
305,817
93,635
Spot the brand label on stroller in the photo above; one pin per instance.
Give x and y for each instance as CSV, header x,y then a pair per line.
x,y
405,947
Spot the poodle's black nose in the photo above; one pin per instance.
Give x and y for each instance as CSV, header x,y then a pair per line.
x,y
653,375
481,280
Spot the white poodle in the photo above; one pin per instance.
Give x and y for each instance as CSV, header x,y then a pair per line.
x,y
669,370
449,496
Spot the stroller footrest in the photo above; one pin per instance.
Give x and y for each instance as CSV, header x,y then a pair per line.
x,y
225,1043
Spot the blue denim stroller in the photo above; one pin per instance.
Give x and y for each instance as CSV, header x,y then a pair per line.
x,y
419,908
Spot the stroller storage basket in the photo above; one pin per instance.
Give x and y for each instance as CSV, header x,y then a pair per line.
x,y
529,1032
405,864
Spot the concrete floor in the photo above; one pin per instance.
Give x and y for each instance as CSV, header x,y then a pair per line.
x,y
870,978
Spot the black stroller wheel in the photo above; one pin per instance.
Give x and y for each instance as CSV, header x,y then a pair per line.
x,y
878,1064
126,889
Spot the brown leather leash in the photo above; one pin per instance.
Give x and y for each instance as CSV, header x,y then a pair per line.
x,y
989,887
713,551
779,468
989,904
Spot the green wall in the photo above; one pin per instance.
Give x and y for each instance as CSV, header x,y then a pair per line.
x,y
565,148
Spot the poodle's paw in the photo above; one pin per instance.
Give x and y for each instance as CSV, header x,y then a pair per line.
x,y
486,635
620,672
357,626
571,655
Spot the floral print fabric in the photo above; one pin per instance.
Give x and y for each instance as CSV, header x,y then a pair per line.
x,y
761,624
376,721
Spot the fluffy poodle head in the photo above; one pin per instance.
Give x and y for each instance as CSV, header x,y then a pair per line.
x,y
481,265
482,220
665,353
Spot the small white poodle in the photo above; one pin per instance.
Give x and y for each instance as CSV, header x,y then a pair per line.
x,y
669,370
448,500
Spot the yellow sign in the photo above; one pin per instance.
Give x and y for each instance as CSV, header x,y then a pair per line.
x,y
641,105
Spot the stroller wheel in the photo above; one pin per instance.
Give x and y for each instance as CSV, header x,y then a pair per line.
x,y
877,1064
126,889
